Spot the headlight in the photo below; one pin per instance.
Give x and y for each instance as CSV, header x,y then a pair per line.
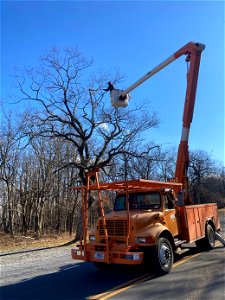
x,y
143,240
140,240
92,238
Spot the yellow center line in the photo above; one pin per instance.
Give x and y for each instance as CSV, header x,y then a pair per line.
x,y
185,259
118,291
123,285
129,284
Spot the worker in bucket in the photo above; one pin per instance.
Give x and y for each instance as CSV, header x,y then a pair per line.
x,y
116,96
110,87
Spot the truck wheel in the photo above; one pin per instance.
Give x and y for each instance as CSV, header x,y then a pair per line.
x,y
208,242
162,256
210,237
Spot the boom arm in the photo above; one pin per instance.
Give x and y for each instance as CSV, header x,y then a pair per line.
x,y
193,55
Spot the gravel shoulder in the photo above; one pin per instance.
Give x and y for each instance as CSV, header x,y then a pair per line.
x,y
20,266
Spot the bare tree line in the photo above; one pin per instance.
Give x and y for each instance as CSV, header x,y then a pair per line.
x,y
37,179
69,129
37,193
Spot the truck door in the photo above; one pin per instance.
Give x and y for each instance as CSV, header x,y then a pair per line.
x,y
171,217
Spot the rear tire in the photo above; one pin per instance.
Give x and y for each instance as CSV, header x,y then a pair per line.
x,y
208,242
162,256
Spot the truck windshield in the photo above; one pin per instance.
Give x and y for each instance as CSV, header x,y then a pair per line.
x,y
148,200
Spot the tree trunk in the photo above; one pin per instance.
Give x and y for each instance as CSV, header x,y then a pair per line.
x,y
79,228
39,220
10,212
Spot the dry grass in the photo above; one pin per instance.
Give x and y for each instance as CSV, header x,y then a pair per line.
x,y
8,244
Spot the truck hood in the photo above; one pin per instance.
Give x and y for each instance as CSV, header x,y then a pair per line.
x,y
139,218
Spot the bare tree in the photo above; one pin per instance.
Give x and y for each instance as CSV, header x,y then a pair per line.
x,y
201,166
10,152
97,131
129,166
73,108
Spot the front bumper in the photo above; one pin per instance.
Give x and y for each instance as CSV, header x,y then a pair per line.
x,y
113,256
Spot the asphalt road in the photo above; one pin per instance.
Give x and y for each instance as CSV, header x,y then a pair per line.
x,y
51,274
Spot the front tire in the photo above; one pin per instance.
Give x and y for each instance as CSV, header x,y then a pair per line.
x,y
163,256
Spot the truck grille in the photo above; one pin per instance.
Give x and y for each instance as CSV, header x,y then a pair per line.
x,y
114,227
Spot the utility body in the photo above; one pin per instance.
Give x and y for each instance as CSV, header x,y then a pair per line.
x,y
151,220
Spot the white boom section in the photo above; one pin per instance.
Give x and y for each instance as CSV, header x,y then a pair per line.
x,y
149,74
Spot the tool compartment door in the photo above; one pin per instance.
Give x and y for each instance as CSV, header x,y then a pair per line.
x,y
193,223
196,218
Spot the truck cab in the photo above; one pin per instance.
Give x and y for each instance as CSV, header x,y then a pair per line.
x,y
150,212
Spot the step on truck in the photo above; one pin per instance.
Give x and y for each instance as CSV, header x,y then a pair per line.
x,y
151,221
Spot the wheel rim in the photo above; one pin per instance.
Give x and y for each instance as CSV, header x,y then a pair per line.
x,y
165,255
211,236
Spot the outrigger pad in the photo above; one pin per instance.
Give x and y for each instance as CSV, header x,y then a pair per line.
x,y
219,238
115,98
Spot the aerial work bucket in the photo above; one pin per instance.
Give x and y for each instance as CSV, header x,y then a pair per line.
x,y
118,101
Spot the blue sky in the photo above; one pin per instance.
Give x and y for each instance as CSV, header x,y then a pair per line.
x,y
133,37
